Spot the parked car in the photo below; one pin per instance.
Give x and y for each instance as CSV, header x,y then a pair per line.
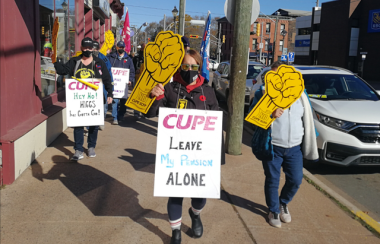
x,y
346,113
213,65
221,79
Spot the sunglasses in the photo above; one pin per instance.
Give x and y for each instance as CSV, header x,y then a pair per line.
x,y
186,67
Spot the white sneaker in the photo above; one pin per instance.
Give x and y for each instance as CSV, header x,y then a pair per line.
x,y
285,215
274,220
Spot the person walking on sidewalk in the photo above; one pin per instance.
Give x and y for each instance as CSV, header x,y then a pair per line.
x,y
290,138
121,59
86,66
188,84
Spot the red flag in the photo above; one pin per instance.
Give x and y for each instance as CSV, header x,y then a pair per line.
x,y
126,34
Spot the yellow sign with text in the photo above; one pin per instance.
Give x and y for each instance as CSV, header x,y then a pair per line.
x,y
282,89
108,43
54,36
162,58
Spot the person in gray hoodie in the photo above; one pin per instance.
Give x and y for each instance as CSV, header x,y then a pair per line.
x,y
290,138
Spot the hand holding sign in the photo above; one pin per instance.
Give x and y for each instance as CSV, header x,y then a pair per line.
x,y
283,88
162,59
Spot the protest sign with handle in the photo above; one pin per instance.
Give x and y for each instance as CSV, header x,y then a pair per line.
x,y
120,82
84,105
188,155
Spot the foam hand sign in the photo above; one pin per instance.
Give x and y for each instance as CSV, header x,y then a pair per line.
x,y
282,89
161,59
108,43
54,40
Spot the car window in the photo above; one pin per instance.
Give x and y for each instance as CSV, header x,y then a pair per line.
x,y
221,68
253,71
226,69
338,87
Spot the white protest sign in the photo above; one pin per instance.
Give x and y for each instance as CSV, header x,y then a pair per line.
x,y
120,81
84,105
188,155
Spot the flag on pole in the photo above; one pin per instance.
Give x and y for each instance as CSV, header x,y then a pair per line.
x,y
205,48
126,34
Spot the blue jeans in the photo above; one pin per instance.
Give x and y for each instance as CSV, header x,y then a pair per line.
x,y
115,104
291,160
79,137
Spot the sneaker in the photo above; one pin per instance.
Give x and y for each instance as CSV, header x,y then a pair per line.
x,y
78,155
274,220
285,215
101,127
91,152
115,122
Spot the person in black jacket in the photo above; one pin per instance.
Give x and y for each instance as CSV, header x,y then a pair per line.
x,y
187,85
121,59
86,66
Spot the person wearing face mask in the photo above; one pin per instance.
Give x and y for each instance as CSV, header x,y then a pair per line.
x,y
86,66
187,91
120,59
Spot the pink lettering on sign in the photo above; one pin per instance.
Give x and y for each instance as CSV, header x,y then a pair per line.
x,y
120,72
194,121
76,85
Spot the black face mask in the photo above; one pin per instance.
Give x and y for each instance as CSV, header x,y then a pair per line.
x,y
189,76
120,51
87,53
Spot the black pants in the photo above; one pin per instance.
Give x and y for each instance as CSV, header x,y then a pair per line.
x,y
175,206
79,137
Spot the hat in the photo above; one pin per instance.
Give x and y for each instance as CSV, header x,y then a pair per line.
x,y
120,44
95,44
48,45
185,41
87,42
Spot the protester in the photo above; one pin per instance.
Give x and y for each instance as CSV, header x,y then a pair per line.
x,y
290,138
188,84
121,59
86,66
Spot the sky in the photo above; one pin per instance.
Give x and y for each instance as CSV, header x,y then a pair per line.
x,y
154,10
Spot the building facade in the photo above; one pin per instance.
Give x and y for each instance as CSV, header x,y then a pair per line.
x,y
32,96
340,33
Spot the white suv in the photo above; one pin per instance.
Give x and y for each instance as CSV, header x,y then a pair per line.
x,y
346,113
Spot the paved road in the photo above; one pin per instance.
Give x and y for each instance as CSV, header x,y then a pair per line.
x,y
360,185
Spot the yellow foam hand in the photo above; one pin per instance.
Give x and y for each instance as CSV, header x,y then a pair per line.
x,y
108,43
282,89
54,36
161,60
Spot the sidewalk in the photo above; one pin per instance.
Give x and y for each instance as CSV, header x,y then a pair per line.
x,y
109,199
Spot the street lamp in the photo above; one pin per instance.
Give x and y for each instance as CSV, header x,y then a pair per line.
x,y
65,7
175,13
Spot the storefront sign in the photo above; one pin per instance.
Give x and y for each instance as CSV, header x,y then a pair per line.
x,y
120,82
104,5
84,106
303,43
47,69
374,21
188,155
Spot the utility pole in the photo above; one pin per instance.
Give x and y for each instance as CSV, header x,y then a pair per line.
x,y
242,26
164,22
182,5
261,41
219,42
275,37
317,3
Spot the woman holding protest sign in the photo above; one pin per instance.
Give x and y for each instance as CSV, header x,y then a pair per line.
x,y
188,91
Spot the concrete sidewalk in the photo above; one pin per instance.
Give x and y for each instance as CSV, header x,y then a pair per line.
x,y
109,199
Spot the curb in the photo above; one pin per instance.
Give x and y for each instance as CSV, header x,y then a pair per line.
x,y
331,193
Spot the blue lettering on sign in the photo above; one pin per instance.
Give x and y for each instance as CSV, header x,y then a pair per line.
x,y
196,162
303,43
167,160
374,21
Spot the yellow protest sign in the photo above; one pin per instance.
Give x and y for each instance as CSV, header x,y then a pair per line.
x,y
162,58
108,43
54,36
282,89
77,53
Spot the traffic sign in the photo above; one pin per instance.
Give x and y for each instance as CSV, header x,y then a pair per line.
x,y
194,36
284,57
284,51
291,57
229,10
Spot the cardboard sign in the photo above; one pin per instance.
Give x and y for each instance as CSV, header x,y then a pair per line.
x,y
109,41
84,105
54,40
162,58
282,89
120,82
188,155
47,69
